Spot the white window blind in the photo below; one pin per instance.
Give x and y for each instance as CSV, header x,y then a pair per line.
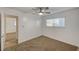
x,y
56,22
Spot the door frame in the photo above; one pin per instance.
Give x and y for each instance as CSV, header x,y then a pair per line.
x,y
11,16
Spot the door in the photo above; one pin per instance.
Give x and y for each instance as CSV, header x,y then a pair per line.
x,y
11,31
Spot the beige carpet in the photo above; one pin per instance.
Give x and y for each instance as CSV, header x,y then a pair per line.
x,y
42,43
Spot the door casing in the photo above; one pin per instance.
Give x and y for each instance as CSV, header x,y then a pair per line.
x,y
11,16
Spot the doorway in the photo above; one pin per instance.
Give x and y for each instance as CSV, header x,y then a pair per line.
x,y
11,31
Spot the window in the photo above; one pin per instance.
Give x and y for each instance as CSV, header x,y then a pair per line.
x,y
56,22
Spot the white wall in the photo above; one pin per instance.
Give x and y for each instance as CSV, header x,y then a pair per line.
x,y
28,24
68,34
30,27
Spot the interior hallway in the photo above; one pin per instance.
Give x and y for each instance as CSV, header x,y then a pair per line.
x,y
42,43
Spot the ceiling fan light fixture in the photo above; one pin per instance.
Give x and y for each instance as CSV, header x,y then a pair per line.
x,y
40,13
42,10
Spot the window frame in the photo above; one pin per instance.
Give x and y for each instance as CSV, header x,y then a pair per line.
x,y
63,18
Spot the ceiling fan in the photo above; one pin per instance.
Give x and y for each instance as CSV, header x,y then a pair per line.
x,y
41,10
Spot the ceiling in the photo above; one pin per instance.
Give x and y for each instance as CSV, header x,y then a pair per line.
x,y
52,9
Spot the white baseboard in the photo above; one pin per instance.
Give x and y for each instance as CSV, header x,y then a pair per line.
x,y
61,40
20,41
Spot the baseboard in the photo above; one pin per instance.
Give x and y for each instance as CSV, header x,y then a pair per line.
x,y
59,40
30,38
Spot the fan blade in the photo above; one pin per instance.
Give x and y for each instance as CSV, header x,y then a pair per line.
x,y
47,12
